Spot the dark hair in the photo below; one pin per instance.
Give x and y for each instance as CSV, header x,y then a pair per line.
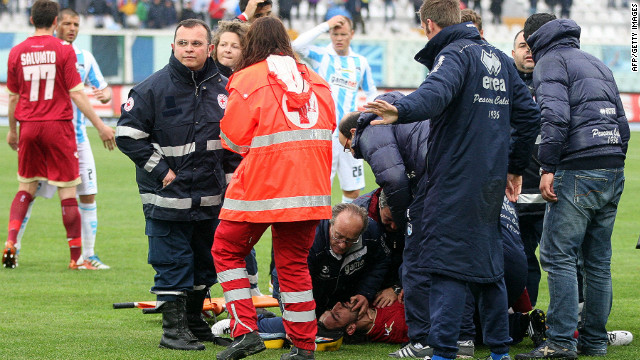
x,y
68,12
190,24
234,26
44,13
442,12
243,4
266,36
470,15
348,122
515,38
535,22
354,210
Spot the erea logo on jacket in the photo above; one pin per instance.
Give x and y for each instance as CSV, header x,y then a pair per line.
x,y
492,62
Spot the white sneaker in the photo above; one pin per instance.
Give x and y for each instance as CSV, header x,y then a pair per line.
x,y
95,261
619,338
222,327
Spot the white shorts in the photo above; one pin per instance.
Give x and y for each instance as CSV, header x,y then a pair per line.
x,y
88,186
350,170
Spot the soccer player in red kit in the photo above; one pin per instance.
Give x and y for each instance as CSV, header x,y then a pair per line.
x,y
42,80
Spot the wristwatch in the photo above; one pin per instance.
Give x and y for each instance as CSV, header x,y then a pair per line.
x,y
396,289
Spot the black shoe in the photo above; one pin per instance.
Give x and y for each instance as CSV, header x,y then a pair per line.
x,y
176,334
549,350
10,257
298,354
242,346
537,327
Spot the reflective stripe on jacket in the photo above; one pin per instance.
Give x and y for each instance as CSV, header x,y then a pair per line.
x,y
285,138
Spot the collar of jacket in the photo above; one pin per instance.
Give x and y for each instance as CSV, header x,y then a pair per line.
x,y
554,34
449,34
186,75
224,70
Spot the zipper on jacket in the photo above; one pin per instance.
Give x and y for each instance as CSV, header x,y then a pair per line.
x,y
197,86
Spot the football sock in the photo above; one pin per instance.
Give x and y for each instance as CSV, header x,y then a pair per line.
x,y
89,217
23,226
18,210
71,221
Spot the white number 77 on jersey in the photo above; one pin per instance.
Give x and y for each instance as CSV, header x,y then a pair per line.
x,y
35,73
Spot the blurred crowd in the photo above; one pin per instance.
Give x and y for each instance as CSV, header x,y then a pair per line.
x,y
160,14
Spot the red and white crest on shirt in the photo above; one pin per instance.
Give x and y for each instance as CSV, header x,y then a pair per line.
x,y
305,117
128,105
222,101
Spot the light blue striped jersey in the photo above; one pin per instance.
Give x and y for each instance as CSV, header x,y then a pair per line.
x,y
91,76
345,74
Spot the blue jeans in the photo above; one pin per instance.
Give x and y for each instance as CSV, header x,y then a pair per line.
x,y
579,225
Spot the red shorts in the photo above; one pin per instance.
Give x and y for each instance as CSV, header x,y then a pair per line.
x,y
47,151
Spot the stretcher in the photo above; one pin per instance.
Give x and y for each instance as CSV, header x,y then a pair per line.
x,y
215,305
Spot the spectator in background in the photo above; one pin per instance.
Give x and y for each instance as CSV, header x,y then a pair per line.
x,y
365,6
533,7
127,9
216,12
496,11
142,10
99,9
312,9
389,7
156,19
201,7
565,7
187,11
296,4
477,6
416,9
284,11
354,7
170,13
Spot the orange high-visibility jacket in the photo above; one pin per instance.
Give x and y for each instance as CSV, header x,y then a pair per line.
x,y
279,117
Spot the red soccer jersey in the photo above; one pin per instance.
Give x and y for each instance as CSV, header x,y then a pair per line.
x,y
42,70
389,325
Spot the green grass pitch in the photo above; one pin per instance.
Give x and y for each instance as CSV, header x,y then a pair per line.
x,y
49,312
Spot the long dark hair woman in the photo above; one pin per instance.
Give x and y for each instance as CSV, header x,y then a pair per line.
x,y
279,117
